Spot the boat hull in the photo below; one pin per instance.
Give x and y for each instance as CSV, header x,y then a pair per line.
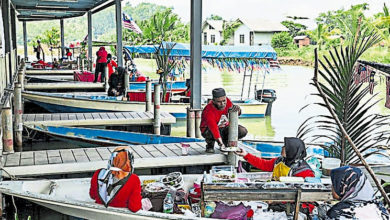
x,y
89,137
68,104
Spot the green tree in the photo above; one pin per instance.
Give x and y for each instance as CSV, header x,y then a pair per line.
x,y
52,39
214,17
281,40
294,28
228,30
348,100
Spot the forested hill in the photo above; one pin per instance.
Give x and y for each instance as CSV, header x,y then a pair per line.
x,y
103,23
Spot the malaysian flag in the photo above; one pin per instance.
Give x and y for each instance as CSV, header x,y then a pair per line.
x,y
387,104
129,23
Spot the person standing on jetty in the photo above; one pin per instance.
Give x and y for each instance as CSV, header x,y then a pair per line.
x,y
101,64
215,120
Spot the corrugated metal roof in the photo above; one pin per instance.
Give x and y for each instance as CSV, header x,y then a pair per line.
x,y
57,9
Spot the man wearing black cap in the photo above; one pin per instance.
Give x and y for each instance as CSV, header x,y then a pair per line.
x,y
215,120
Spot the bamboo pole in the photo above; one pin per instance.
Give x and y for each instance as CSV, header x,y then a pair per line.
x,y
157,119
106,86
198,119
190,122
127,82
18,111
8,143
328,106
233,137
148,104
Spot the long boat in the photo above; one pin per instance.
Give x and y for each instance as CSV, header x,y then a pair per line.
x,y
71,197
91,137
100,102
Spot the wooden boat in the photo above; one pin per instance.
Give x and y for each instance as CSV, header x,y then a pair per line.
x,y
88,137
71,197
100,102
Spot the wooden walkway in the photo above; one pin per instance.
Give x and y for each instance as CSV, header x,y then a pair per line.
x,y
66,161
64,85
102,118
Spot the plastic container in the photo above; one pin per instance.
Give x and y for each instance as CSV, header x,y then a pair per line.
x,y
328,164
168,203
315,165
223,174
255,176
184,149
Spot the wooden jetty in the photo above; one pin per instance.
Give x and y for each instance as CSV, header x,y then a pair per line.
x,y
66,161
96,118
64,85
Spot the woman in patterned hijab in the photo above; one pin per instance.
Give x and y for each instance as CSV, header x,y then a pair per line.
x,y
116,185
356,195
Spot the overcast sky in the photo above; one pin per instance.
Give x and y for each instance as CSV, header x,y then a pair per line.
x,y
275,10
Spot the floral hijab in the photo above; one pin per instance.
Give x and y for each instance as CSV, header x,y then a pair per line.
x,y
119,169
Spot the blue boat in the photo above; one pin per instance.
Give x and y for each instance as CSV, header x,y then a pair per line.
x,y
90,137
175,86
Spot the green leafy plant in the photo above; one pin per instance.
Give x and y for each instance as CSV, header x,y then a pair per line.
x,y
348,100
228,30
51,39
164,63
281,40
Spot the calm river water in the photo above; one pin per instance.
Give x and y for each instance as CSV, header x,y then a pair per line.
x,y
292,85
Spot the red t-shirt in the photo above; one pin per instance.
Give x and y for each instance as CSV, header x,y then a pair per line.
x,y
110,66
102,53
211,117
141,78
128,196
268,165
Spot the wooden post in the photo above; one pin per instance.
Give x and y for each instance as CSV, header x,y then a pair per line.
x,y
21,77
157,119
297,204
148,96
233,137
106,86
190,122
198,118
8,142
18,109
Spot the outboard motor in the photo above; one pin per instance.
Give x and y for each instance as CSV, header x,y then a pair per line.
x,y
267,96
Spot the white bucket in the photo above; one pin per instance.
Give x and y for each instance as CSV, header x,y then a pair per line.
x,y
330,163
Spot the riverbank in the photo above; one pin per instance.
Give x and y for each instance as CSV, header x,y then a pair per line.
x,y
295,62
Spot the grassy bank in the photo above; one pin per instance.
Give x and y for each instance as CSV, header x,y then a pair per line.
x,y
376,54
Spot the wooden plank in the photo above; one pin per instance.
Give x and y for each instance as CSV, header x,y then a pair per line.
x,y
96,115
80,156
111,116
72,116
166,151
64,116
67,156
55,160
88,116
80,116
141,115
30,117
127,115
53,153
56,117
47,117
135,115
39,117
13,159
174,148
92,154
27,154
153,151
196,148
135,154
104,115
119,115
26,161
40,157
142,152
191,151
104,153
149,114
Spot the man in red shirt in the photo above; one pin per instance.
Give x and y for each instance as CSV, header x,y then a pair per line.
x,y
215,120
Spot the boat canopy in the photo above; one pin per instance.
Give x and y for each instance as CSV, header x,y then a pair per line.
x,y
209,51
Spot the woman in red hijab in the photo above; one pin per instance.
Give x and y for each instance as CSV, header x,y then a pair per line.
x,y
101,64
117,186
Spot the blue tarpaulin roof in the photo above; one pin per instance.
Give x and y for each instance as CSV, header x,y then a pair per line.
x,y
211,51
